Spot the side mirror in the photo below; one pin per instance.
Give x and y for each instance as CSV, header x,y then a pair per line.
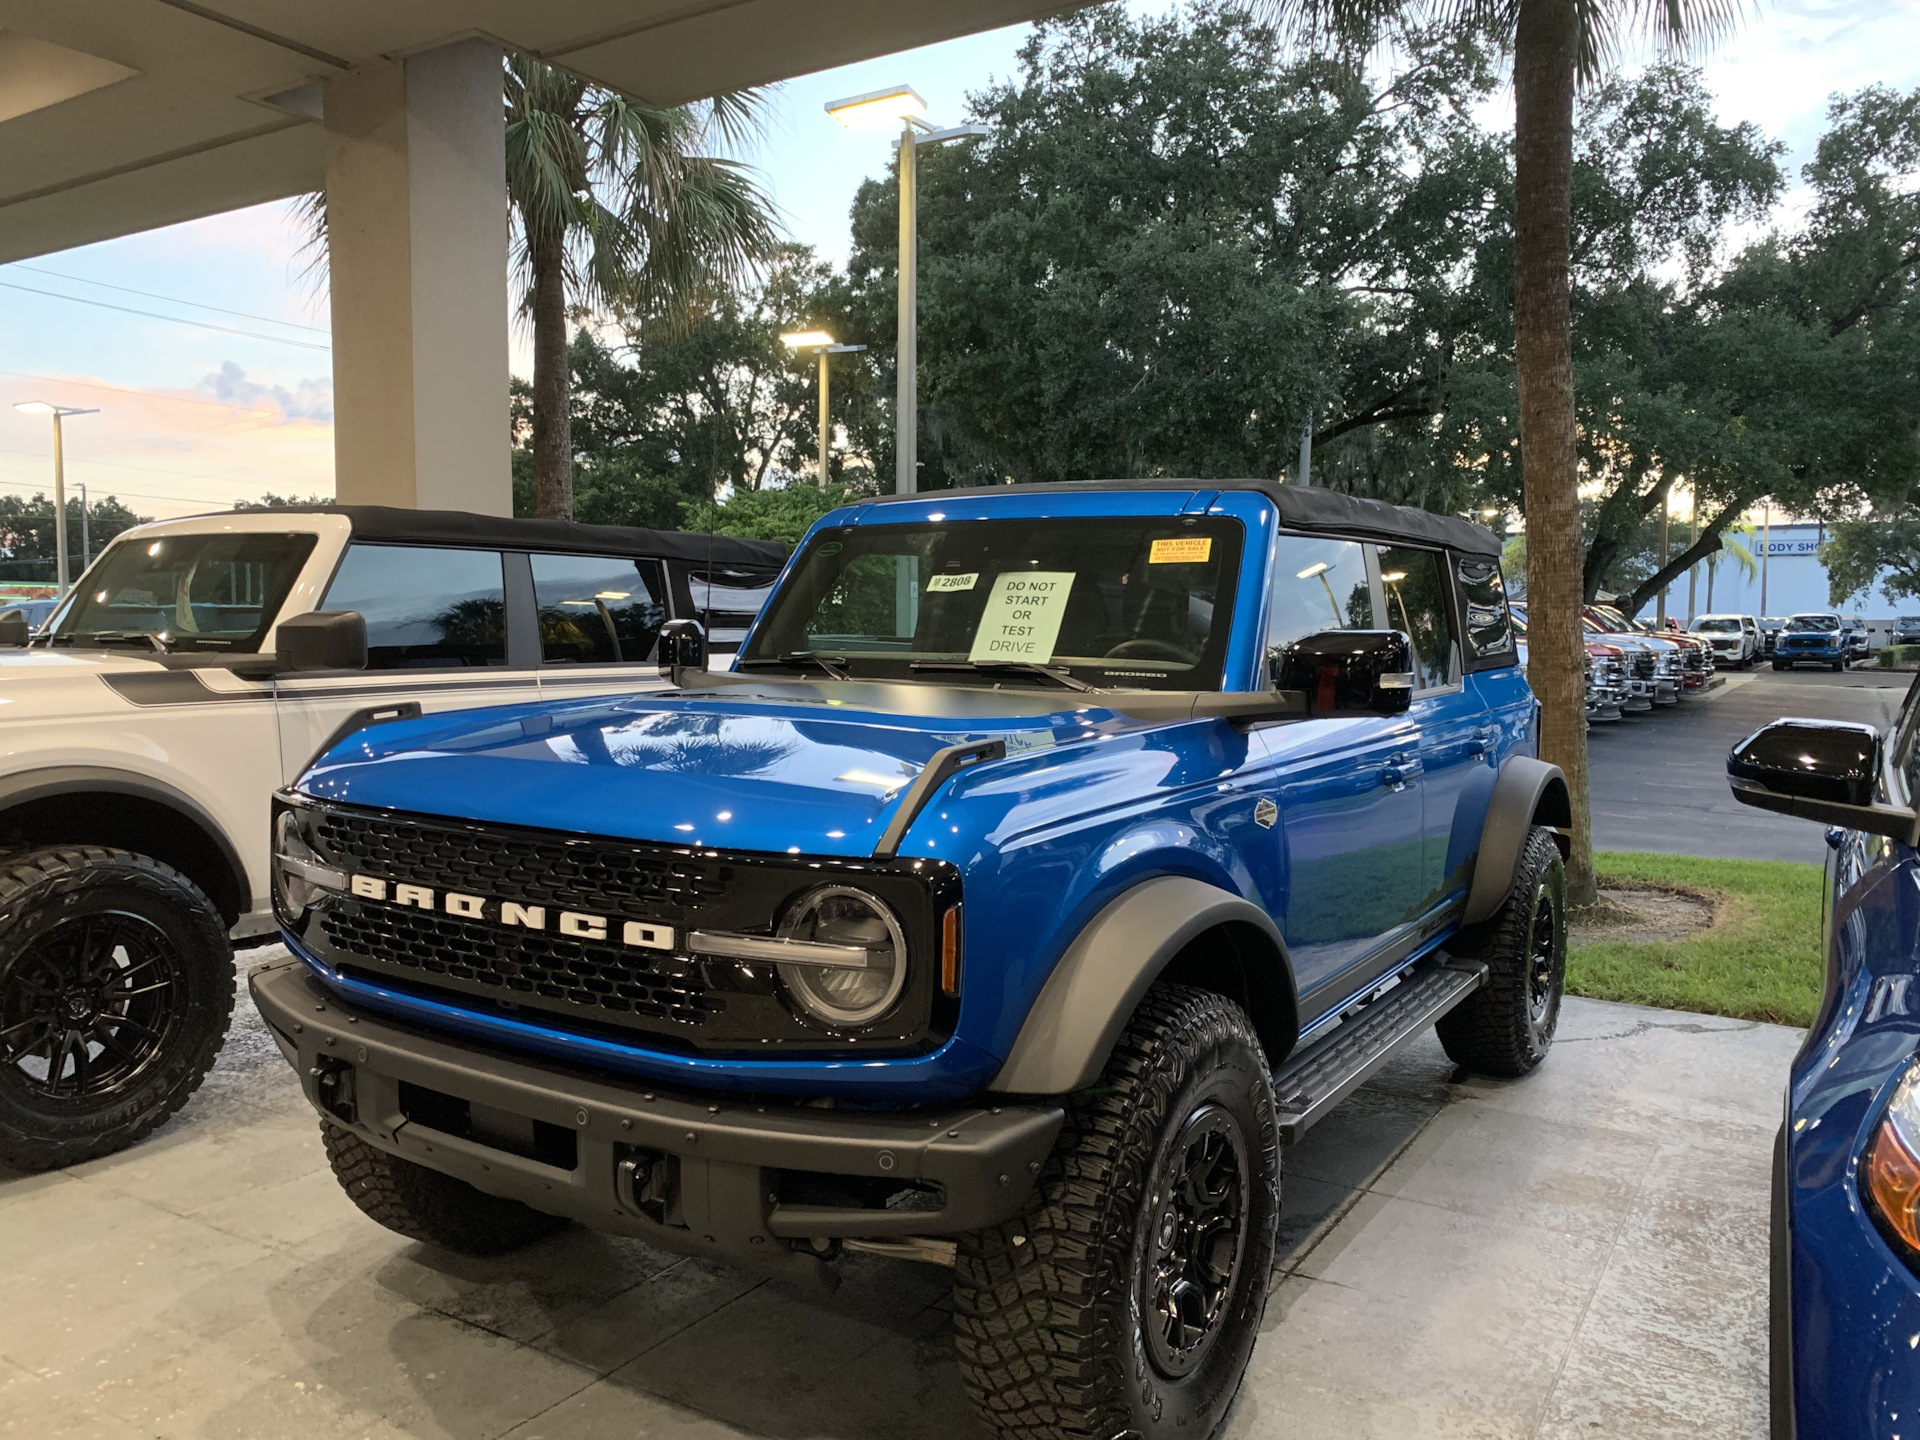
x,y
14,629
323,640
1818,770
1350,672
683,646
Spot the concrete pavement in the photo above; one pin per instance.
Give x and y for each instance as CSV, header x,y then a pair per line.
x,y
1659,781
1579,1253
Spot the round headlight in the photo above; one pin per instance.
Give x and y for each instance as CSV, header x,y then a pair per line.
x,y
845,996
296,892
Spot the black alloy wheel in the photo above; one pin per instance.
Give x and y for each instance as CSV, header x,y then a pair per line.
x,y
1193,1234
116,984
89,1004
1506,1027
1545,963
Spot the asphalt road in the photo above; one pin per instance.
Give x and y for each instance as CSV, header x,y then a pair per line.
x,y
1659,781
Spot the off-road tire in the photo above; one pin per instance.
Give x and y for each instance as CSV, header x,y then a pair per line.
x,y
110,913
1050,1321
425,1205
1506,1027
1779,664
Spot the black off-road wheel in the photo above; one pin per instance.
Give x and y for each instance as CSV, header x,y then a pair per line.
x,y
425,1205
1507,1027
1126,1301
116,986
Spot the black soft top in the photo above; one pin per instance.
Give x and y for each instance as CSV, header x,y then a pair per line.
x,y
392,525
1302,508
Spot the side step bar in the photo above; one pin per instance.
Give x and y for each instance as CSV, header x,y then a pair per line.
x,y
1317,1078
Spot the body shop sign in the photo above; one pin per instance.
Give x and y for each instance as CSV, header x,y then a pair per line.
x,y
1022,617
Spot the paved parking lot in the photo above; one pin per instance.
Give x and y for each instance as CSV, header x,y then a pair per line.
x,y
1581,1253
1659,781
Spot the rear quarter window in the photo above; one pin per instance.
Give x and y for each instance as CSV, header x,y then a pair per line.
x,y
1483,599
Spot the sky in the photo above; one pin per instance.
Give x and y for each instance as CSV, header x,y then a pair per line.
x,y
231,395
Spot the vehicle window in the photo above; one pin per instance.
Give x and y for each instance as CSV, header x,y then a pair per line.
x,y
729,597
1417,604
596,609
195,592
425,606
1717,625
1814,622
1483,595
1318,585
1118,602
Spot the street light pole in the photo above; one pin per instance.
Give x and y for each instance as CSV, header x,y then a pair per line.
x,y
59,413
906,469
902,104
820,343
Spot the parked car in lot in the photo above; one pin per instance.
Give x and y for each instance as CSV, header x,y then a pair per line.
x,y
1906,630
1846,1176
1609,692
1655,667
1735,639
1815,638
1695,656
1858,644
195,668
1770,628
1048,861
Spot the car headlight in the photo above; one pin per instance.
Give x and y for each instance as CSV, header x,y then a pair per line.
x,y
1890,1172
842,996
300,875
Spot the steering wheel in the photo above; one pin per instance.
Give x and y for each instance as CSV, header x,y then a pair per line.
x,y
1152,650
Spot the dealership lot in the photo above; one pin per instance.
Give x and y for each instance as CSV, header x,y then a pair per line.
x,y
1579,1253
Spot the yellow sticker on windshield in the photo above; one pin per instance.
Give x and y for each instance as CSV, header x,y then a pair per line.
x,y
1187,550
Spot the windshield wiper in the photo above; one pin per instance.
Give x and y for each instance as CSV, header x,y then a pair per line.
x,y
121,637
833,665
1062,678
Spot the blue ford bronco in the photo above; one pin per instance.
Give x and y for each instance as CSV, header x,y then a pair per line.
x,y
1049,860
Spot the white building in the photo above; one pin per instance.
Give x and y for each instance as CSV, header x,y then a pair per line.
x,y
1791,576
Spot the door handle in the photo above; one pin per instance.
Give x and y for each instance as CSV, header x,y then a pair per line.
x,y
1481,742
1401,768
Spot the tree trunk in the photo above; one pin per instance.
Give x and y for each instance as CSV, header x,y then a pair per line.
x,y
552,383
1546,44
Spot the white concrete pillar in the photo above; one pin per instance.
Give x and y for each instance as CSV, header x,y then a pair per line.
x,y
417,269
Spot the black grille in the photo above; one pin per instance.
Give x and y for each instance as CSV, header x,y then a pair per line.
x,y
594,985
548,967
605,879
1643,664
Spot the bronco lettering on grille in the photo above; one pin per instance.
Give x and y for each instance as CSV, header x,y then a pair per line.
x,y
572,923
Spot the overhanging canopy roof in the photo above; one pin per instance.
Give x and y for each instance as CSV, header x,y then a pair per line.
x,y
123,115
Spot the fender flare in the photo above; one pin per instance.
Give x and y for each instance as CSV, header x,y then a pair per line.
x,y
1065,1040
31,785
1528,792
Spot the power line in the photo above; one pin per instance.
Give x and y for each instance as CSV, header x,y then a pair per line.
x,y
172,299
154,315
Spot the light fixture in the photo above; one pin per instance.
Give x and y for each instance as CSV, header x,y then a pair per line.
x,y
878,109
806,339
1313,570
1393,577
34,407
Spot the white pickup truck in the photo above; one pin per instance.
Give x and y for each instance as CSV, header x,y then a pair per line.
x,y
196,667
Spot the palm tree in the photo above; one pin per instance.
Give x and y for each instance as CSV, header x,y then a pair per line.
x,y
615,205
618,205
1557,46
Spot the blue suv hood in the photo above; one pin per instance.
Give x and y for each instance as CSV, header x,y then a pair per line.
x,y
774,767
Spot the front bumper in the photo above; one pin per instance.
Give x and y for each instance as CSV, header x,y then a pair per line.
x,y
765,1185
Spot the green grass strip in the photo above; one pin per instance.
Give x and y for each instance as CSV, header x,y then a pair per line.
x,y
1762,962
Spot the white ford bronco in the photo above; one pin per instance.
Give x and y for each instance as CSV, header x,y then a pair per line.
x,y
196,667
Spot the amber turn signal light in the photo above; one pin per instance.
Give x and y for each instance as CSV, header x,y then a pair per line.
x,y
1890,1173
950,951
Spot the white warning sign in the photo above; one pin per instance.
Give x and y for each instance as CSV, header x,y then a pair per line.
x,y
1022,617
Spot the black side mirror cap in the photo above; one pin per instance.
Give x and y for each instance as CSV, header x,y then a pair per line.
x,y
14,629
1350,672
1823,770
322,640
683,646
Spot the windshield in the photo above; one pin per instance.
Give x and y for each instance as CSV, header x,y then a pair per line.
x,y
1116,603
1814,622
1717,625
191,592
